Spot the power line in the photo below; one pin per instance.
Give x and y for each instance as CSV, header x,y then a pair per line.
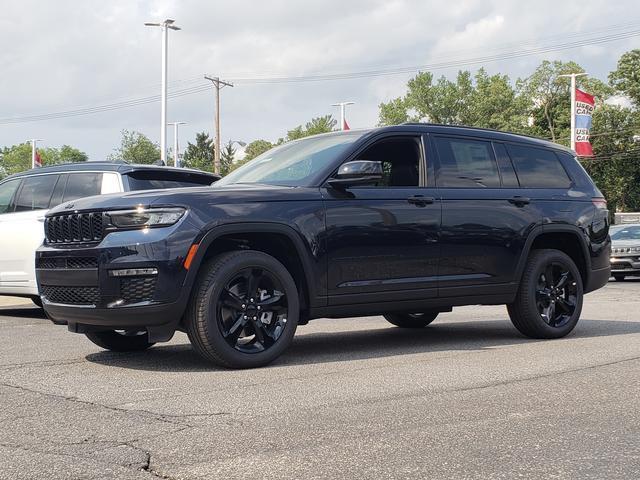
x,y
321,77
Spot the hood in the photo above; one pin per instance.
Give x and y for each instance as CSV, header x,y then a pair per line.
x,y
189,196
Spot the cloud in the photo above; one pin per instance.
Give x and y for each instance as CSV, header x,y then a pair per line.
x,y
63,54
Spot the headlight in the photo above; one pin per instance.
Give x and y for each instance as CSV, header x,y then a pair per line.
x,y
146,217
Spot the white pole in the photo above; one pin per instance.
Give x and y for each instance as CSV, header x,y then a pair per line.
x,y
33,153
342,106
573,112
176,155
163,114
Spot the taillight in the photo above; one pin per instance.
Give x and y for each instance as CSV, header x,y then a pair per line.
x,y
599,202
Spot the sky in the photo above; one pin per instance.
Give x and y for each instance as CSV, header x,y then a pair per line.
x,y
65,55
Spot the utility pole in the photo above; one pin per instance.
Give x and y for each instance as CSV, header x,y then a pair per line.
x,y
34,152
165,26
573,76
217,84
343,122
176,156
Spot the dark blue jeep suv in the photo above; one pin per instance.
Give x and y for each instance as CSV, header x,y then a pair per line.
x,y
406,221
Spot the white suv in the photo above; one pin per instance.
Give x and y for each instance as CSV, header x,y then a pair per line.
x,y
26,197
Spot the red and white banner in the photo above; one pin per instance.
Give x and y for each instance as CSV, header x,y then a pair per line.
x,y
345,125
584,111
37,160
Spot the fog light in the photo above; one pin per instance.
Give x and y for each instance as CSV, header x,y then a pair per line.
x,y
133,272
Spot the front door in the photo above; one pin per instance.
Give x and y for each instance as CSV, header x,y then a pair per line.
x,y
384,238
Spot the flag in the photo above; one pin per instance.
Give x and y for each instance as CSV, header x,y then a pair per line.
x,y
38,160
345,125
584,110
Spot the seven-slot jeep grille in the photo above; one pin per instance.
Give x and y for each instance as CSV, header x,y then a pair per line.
x,y
74,228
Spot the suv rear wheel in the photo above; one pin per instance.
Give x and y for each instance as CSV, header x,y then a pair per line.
x,y
120,340
411,320
549,300
244,310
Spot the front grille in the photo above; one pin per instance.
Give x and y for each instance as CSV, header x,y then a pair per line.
x,y
74,228
71,295
61,263
137,289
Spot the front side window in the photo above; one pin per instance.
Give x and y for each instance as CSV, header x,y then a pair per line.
x,y
7,190
400,159
35,193
538,167
466,163
293,164
80,185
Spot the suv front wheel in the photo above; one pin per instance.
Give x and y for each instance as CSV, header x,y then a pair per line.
x,y
244,310
549,300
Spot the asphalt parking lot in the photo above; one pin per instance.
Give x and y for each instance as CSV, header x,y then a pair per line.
x,y
467,397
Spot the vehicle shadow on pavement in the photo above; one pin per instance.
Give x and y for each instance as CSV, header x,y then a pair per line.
x,y
341,346
23,312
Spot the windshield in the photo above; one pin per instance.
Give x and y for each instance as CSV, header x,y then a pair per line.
x,y
294,163
626,233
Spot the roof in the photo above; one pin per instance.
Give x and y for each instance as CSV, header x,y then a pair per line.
x,y
120,167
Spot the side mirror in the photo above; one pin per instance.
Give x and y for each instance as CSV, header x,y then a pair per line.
x,y
357,172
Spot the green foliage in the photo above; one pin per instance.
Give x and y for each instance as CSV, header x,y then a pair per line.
x,y
226,158
17,158
200,155
136,148
255,148
626,78
316,126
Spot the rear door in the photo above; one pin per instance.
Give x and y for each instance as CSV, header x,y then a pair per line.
x,y
22,231
485,222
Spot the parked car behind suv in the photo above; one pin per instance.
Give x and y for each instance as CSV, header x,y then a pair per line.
x,y
406,221
625,251
26,197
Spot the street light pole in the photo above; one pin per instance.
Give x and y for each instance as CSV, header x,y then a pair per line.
x,y
165,26
573,76
342,117
176,156
217,84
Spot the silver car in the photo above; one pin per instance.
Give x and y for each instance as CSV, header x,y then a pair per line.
x,y
625,250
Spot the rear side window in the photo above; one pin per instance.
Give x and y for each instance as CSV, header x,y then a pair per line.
x,y
7,190
151,180
80,185
35,193
538,168
466,163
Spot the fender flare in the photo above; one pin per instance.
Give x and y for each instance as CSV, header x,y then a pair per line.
x,y
209,236
544,229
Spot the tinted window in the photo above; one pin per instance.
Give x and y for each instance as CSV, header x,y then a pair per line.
x,y
466,163
7,190
80,185
508,174
626,233
538,168
35,193
400,159
151,180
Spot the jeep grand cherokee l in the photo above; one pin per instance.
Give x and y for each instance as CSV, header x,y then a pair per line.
x,y
405,221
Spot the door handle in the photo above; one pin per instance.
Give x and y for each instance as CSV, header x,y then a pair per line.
x,y
420,200
519,201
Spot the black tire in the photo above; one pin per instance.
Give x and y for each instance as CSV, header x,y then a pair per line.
x,y
37,301
411,320
118,341
619,278
543,311
227,291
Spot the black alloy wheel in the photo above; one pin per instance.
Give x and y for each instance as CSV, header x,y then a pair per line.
x,y
556,295
252,310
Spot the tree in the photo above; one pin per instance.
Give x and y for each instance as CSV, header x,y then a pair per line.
x,y
226,158
626,78
201,154
316,126
255,148
136,148
17,158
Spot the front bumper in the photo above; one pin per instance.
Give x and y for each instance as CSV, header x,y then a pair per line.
x,y
78,287
628,265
